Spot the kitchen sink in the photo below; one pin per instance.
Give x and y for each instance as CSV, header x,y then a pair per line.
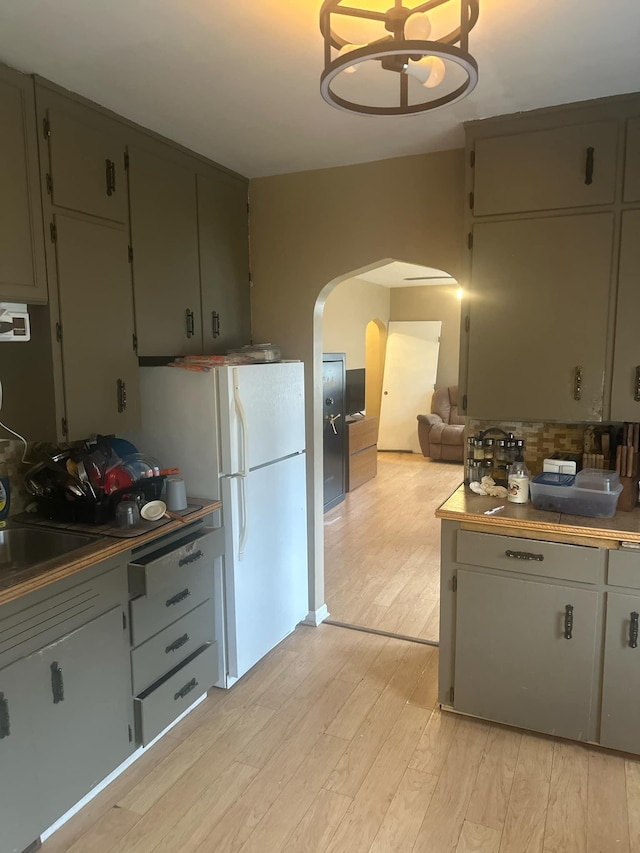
x,y
26,547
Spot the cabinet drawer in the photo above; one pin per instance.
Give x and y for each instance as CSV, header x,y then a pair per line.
x,y
189,588
362,434
546,170
624,569
157,572
530,556
161,653
157,707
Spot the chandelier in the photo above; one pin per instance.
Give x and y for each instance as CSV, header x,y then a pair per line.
x,y
397,61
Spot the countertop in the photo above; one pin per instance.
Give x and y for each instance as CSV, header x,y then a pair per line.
x,y
15,584
523,520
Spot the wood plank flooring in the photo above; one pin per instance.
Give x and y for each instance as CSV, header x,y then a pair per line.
x,y
382,547
334,744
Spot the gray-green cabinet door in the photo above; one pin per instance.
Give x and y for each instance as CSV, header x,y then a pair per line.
x,y
87,167
100,367
512,661
164,235
632,161
539,301
223,232
83,700
620,722
22,267
546,169
625,389
20,799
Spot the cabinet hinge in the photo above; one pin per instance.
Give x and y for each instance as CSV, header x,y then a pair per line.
x,y
470,240
130,254
126,161
64,426
454,583
53,232
467,323
135,343
49,181
46,127
471,201
464,402
124,621
59,332
451,695
130,734
472,158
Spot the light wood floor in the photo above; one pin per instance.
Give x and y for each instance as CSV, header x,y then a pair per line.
x,y
382,547
332,743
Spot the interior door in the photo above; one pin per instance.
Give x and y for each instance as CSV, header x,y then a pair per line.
x,y
334,428
410,370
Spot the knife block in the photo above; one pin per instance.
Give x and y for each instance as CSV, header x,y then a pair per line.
x,y
629,496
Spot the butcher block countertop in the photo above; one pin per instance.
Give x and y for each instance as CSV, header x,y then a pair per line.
x,y
15,584
523,520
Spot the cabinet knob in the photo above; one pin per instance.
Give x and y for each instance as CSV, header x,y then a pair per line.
x,y
633,631
568,622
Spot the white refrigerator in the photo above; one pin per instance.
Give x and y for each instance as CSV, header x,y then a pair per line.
x,y
237,435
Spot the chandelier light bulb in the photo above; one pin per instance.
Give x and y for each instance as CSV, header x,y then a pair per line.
x,y
429,71
417,26
347,49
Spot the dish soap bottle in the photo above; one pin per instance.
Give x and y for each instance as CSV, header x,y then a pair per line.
x,y
518,482
5,497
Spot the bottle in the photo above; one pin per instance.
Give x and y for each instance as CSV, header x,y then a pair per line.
x,y
5,497
518,483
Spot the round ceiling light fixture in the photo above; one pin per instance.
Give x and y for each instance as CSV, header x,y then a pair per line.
x,y
408,59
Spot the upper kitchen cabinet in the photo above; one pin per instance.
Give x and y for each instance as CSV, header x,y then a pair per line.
x,y
99,364
625,391
561,167
164,239
538,306
22,266
632,161
83,154
223,238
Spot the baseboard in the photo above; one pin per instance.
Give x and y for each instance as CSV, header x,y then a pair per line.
x,y
316,617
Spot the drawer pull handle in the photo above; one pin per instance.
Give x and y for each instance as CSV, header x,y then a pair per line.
x,y
190,558
5,728
191,328
57,683
636,392
191,685
178,597
568,622
110,175
177,644
633,631
523,555
577,383
215,324
588,166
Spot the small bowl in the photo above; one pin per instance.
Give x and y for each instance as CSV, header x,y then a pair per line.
x,y
153,511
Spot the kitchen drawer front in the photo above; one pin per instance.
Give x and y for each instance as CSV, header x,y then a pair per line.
x,y
170,647
156,708
158,571
624,569
363,433
150,614
530,556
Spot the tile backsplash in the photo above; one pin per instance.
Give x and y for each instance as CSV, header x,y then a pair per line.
x,y
541,439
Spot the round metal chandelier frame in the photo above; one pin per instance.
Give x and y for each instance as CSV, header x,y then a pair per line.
x,y
394,52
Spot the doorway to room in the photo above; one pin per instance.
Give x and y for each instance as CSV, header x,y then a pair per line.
x,y
382,542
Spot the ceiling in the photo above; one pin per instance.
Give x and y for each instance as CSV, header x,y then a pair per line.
x,y
400,274
239,81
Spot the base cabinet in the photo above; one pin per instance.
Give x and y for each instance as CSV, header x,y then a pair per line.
x,y
522,657
620,726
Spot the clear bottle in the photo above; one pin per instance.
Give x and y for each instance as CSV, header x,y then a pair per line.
x,y
478,450
518,483
500,464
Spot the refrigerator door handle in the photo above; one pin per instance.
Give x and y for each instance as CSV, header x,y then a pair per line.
x,y
244,521
243,424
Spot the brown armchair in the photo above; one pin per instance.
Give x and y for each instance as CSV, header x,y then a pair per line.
x,y
441,434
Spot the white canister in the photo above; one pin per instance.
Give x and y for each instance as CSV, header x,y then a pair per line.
x,y
518,484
